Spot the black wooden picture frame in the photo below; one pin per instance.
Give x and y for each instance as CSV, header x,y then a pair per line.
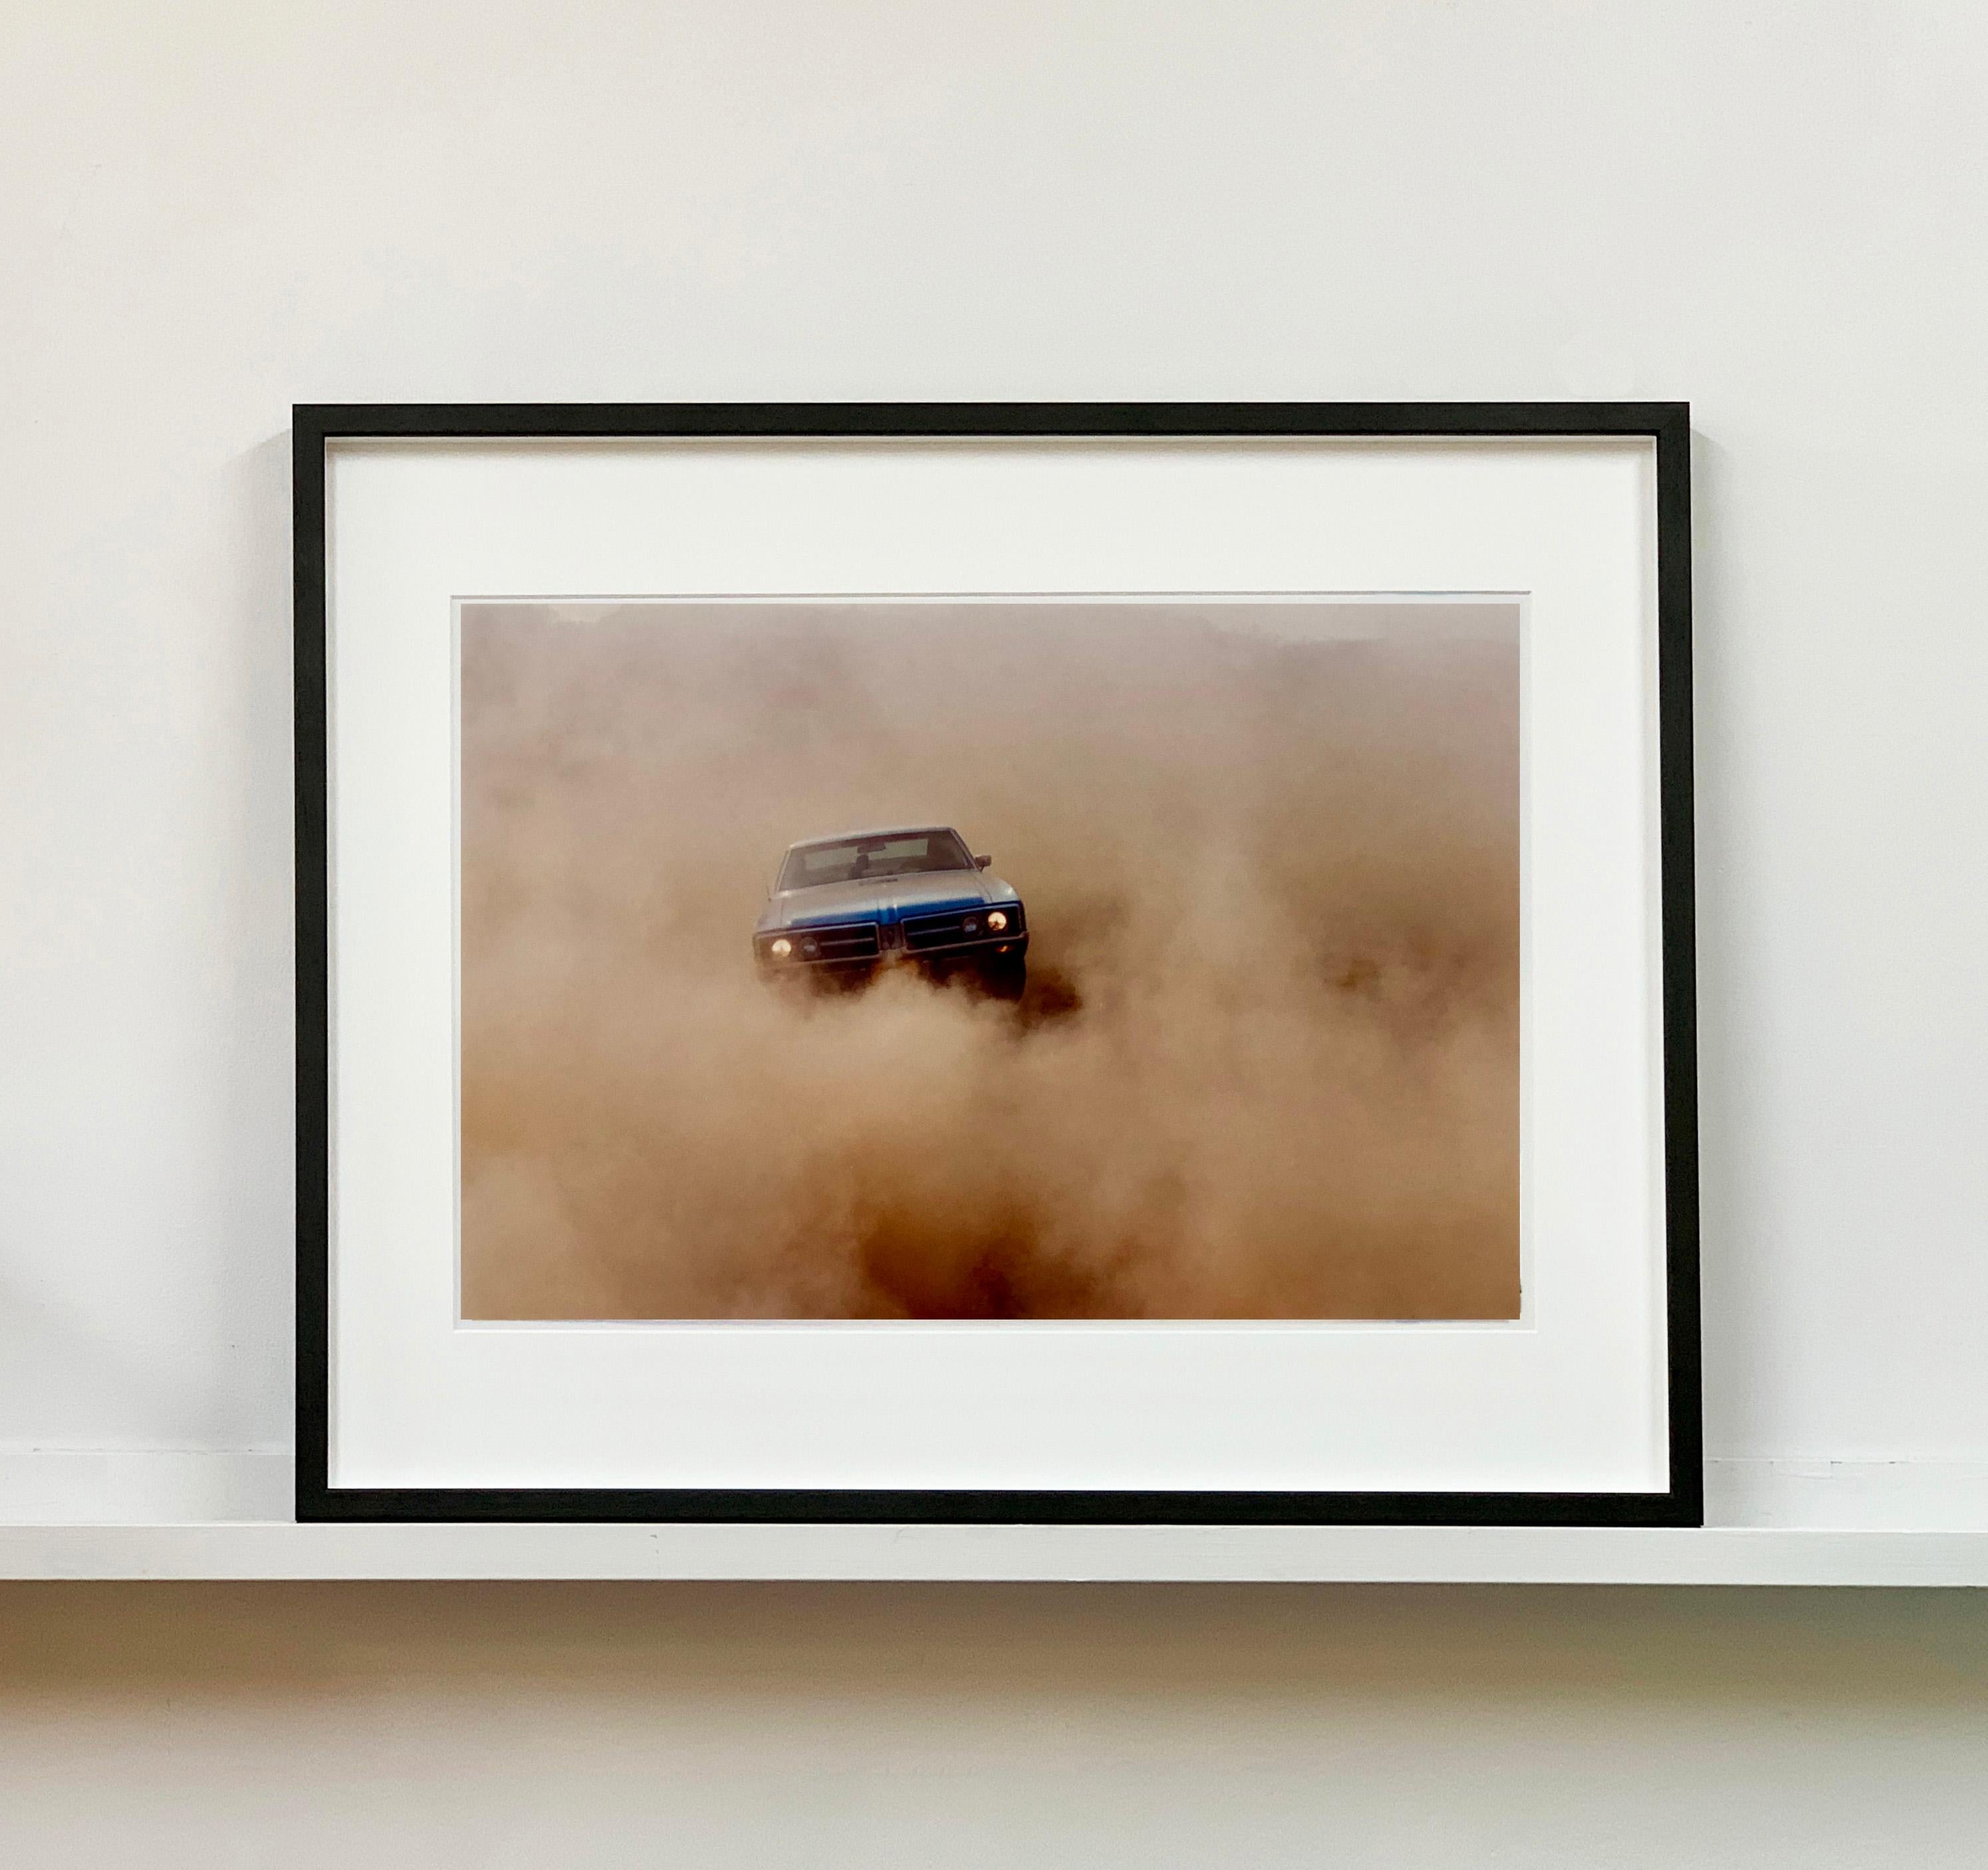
x,y
1681,1504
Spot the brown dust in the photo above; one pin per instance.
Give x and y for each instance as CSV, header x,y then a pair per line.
x,y
1268,1063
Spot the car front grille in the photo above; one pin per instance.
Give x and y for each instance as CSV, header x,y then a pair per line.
x,y
950,930
849,941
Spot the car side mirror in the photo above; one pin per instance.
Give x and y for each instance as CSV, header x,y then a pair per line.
x,y
981,863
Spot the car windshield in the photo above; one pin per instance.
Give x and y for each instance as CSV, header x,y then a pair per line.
x,y
902,853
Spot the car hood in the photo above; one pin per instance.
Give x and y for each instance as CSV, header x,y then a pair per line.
x,y
884,899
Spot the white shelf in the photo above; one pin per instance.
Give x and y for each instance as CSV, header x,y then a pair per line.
x,y
207,1516
1720,1555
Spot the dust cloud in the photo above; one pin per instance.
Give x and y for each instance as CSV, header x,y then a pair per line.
x,y
1268,1063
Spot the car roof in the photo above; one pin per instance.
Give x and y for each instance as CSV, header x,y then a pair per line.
x,y
872,831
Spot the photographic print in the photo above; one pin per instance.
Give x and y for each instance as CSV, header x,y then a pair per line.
x,y
1069,964
931,958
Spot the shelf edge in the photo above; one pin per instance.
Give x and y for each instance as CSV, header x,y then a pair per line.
x,y
1715,1555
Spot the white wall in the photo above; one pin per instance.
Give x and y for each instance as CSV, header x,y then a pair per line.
x,y
210,211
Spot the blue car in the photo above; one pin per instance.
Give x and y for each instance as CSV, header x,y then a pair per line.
x,y
843,907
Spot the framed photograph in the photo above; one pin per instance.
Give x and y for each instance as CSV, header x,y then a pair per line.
x,y
1044,963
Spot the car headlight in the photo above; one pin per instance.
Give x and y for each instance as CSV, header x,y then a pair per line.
x,y
997,919
781,949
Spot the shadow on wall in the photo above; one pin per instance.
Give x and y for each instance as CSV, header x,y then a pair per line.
x,y
1601,1646
407,1724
